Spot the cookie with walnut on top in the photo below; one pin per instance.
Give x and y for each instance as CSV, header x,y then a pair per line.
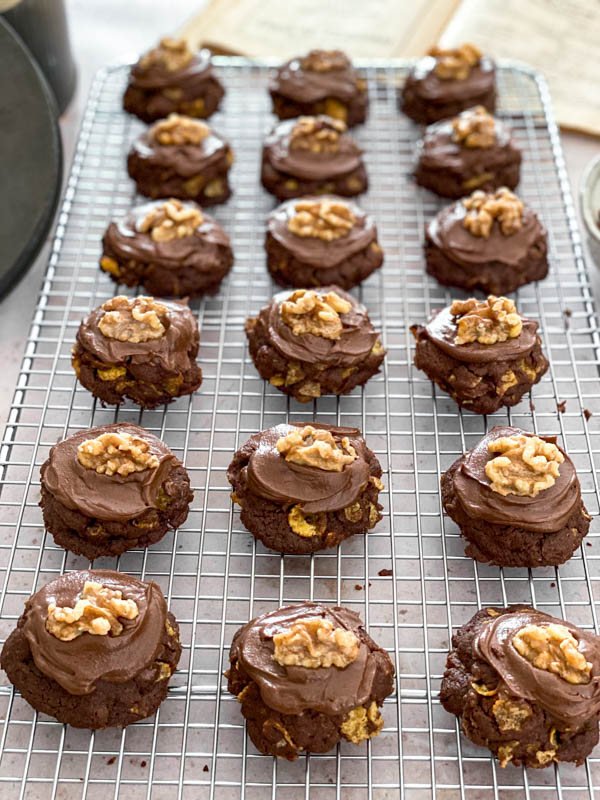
x,y
517,500
303,488
312,155
484,354
321,82
184,158
313,342
447,81
171,78
318,241
472,151
138,348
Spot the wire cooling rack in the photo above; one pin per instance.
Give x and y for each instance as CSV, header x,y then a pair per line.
x,y
214,575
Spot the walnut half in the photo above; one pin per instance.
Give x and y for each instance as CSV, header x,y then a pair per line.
x,y
97,611
321,219
171,220
313,447
526,465
172,54
553,648
324,60
475,127
133,319
116,453
306,311
314,642
483,209
486,321
455,63
178,129
318,134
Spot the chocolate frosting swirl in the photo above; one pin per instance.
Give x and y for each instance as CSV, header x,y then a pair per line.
x,y
312,249
305,164
308,86
103,497
271,477
449,234
293,689
199,251
438,150
570,704
442,329
547,512
77,665
157,76
186,160
430,87
171,350
354,345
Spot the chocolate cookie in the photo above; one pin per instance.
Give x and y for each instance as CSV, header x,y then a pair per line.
x,y
525,685
312,342
302,488
308,676
170,248
94,649
471,151
492,242
111,489
321,82
138,348
446,82
516,499
181,157
171,78
318,241
312,155
482,353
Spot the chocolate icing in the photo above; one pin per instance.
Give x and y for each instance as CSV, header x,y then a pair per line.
x,y
438,150
448,232
171,350
311,249
307,86
570,704
293,689
157,76
270,476
305,164
441,329
199,251
354,345
186,160
547,512
78,664
114,498
430,87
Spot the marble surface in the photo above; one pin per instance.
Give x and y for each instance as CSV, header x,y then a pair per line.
x,y
97,40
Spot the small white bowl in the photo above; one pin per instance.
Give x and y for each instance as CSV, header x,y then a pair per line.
x,y
589,197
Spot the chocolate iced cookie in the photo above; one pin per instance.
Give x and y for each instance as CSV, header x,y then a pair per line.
x,y
471,151
516,499
446,82
312,342
169,248
171,78
302,488
140,349
308,676
492,242
321,82
181,157
111,489
482,353
321,241
525,685
312,155
94,649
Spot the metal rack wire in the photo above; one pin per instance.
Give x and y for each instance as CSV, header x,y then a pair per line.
x,y
214,575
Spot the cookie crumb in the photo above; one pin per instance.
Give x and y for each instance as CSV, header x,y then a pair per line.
x,y
531,405
111,760
143,764
587,414
567,312
205,768
384,573
589,544
553,584
358,587
562,406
